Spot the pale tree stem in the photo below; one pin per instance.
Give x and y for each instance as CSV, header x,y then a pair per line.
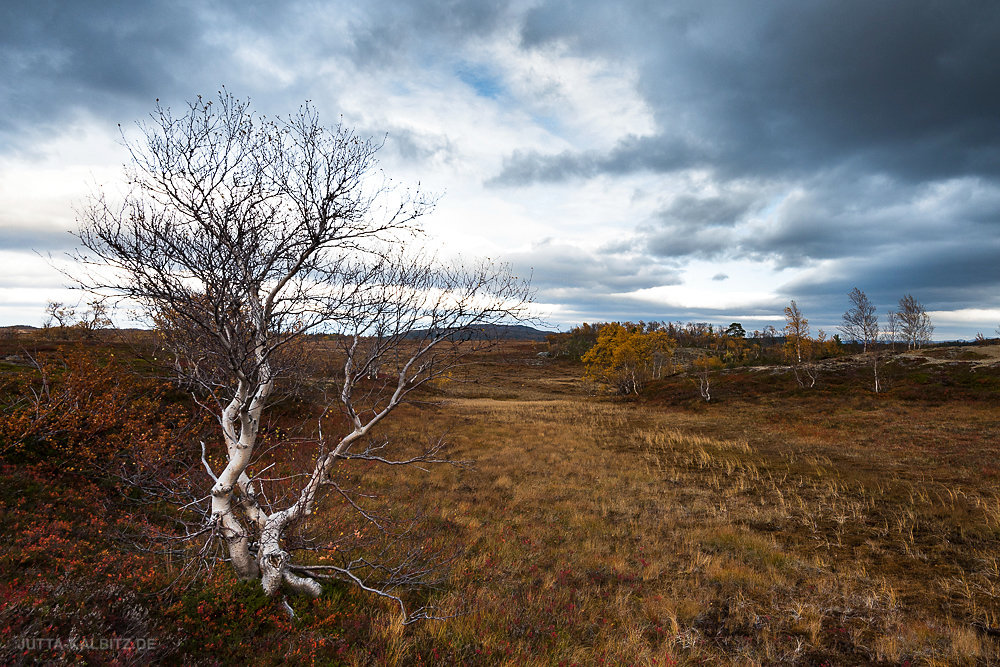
x,y
243,235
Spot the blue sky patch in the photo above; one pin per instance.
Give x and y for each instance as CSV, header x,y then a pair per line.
x,y
481,80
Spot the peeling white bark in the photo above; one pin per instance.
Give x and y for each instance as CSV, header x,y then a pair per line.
x,y
243,235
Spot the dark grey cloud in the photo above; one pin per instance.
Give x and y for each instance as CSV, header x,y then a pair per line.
x,y
109,59
909,88
827,218
947,276
698,226
657,154
415,147
717,210
389,31
834,216
863,220
688,241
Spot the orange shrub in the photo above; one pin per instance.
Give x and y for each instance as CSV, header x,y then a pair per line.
x,y
77,408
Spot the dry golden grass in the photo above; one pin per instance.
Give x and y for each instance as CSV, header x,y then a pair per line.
x,y
799,530
772,526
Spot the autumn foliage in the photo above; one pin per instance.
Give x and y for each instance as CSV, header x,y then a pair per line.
x,y
627,356
77,407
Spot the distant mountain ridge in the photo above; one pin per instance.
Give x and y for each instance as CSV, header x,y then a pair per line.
x,y
495,331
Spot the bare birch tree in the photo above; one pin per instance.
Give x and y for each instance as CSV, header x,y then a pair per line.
x,y
914,322
703,367
860,322
893,325
239,238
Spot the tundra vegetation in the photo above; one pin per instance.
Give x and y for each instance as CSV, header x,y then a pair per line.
x,y
775,523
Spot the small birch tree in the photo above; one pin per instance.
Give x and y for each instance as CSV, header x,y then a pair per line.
x,y
892,329
860,322
914,322
59,315
703,367
627,356
799,345
242,236
796,330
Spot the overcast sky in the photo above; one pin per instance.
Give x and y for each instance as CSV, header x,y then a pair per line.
x,y
695,160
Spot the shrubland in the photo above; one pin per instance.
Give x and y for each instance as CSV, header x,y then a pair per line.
x,y
774,524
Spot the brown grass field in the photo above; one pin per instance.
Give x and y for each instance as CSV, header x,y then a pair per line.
x,y
775,525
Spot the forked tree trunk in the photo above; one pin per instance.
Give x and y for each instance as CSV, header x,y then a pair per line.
x,y
273,562
233,488
235,534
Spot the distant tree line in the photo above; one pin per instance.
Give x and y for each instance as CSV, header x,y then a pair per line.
x,y
732,344
628,355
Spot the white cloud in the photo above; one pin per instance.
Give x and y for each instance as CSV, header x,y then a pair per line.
x,y
589,102
976,316
750,286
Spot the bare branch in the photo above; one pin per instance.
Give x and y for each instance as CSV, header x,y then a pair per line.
x,y
268,255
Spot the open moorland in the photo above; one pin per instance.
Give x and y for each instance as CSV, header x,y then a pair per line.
x,y
773,524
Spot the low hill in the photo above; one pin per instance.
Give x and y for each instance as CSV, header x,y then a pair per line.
x,y
497,331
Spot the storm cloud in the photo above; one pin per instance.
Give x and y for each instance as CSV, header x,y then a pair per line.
x,y
751,90
635,157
